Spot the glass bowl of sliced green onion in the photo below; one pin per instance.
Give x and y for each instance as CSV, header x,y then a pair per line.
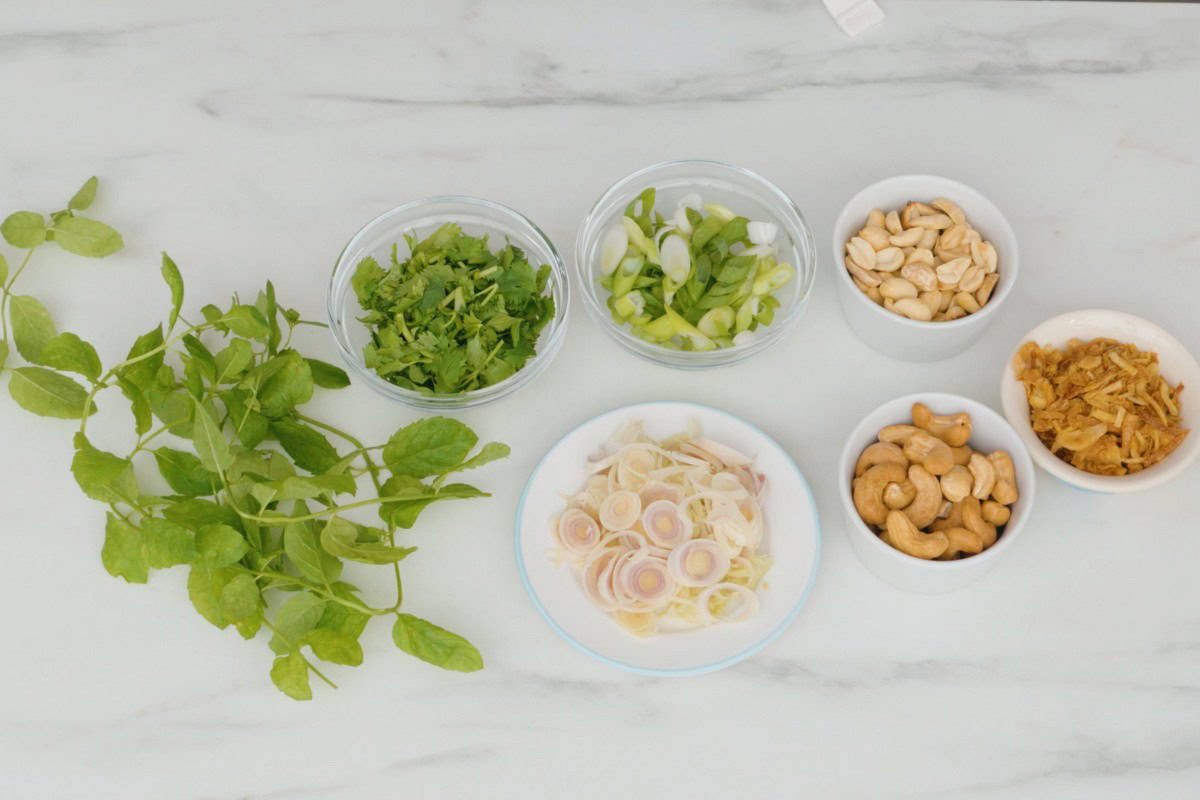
x,y
695,264
448,302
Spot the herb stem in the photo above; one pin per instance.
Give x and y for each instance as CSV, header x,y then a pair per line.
x,y
8,291
295,648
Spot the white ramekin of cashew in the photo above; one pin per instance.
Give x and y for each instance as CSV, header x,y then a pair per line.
x,y
924,263
935,488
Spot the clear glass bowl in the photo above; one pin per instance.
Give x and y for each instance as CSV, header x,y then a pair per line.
x,y
421,217
743,192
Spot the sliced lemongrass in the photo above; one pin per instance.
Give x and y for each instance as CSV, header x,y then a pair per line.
x,y
646,581
740,605
665,525
620,510
722,452
657,490
577,531
597,579
698,562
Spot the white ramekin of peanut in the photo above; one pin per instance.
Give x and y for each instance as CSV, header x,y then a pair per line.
x,y
924,263
935,487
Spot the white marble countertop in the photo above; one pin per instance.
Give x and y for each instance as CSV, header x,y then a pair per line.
x,y
253,143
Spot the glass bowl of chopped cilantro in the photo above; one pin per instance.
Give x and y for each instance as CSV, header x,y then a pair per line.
x,y
449,302
695,264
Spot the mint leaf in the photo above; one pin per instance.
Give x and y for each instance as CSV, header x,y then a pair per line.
x,y
185,474
174,280
288,384
205,586
290,674
68,352
84,197
101,475
429,446
86,237
334,647
31,325
220,545
24,229
303,550
435,645
308,448
340,538
492,451
296,617
211,445
142,373
232,361
48,393
3,270
403,513
247,321
122,551
166,544
139,405
195,513
327,376
241,599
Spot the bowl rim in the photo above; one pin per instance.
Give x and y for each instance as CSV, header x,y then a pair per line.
x,y
851,452
1016,408
706,358
1012,263
767,639
546,348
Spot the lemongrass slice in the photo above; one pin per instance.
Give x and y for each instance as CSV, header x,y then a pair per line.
x,y
657,490
620,510
577,531
665,525
597,579
646,580
741,604
722,452
698,562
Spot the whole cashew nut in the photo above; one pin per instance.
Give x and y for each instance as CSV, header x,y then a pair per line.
x,y
930,452
899,495
924,508
898,434
954,519
953,429
905,537
956,484
962,455
995,513
984,475
974,521
868,491
879,453
962,541
1005,490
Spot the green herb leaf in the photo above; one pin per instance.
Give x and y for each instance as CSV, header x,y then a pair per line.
x,y
247,321
492,451
340,538
166,544
143,372
103,476
174,280
211,445
296,617
308,448
195,513
68,352
3,270
232,361
290,674
288,385
185,474
334,647
429,446
327,376
48,393
32,327
205,586
240,599
403,513
220,545
3,352
140,406
122,553
303,550
435,645
86,237
84,197
24,229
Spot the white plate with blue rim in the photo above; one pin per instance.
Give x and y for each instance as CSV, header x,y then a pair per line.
x,y
792,539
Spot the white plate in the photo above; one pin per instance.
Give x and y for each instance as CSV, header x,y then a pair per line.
x,y
793,539
1175,363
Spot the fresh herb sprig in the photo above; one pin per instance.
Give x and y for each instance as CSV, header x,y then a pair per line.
x,y
256,491
453,316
